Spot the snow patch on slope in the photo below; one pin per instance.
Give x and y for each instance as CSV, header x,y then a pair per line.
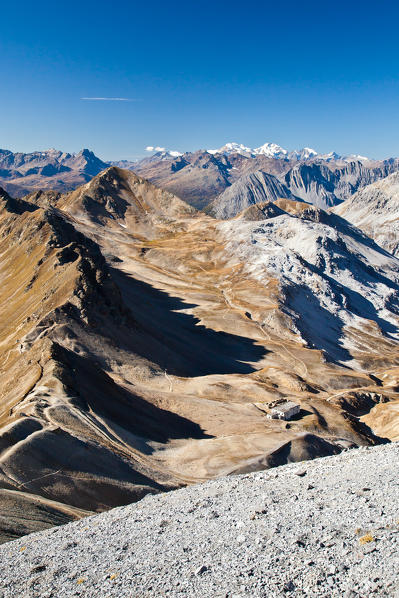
x,y
330,275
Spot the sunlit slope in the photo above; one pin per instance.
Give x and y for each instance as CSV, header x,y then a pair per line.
x,y
375,210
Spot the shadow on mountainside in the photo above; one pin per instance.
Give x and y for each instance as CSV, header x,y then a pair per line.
x,y
176,341
94,391
339,223
324,330
321,329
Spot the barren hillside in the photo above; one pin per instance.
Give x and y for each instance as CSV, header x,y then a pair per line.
x,y
143,344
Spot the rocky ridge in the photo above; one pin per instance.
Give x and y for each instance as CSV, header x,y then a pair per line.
x,y
68,313
375,210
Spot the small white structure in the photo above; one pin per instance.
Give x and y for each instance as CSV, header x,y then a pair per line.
x,y
283,410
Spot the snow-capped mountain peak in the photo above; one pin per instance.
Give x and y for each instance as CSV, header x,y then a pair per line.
x,y
162,152
271,149
232,148
306,153
166,154
268,149
356,158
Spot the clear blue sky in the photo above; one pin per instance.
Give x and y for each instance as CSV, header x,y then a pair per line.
x,y
317,74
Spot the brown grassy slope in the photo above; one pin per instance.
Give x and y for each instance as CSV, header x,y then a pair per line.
x,y
70,433
152,367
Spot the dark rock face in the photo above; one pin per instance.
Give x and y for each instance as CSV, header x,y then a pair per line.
x,y
249,190
325,186
178,164
201,178
15,206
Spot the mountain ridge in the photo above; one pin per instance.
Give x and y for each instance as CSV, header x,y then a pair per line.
x,y
51,169
201,177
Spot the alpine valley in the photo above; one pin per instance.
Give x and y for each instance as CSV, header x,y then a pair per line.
x,y
155,312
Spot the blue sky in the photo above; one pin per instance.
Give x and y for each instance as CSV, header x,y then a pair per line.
x,y
198,74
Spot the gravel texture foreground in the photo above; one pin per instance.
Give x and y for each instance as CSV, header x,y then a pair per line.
x,y
328,527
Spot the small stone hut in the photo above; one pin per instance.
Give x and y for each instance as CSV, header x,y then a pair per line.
x,y
284,410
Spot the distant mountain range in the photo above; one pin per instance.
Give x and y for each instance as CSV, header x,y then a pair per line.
x,y
202,178
222,181
272,150
51,169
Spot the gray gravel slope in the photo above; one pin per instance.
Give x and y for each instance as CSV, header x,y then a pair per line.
x,y
325,528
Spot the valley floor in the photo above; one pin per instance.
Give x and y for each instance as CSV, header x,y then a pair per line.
x,y
325,528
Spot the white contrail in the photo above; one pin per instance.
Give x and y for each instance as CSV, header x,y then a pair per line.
x,y
110,99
